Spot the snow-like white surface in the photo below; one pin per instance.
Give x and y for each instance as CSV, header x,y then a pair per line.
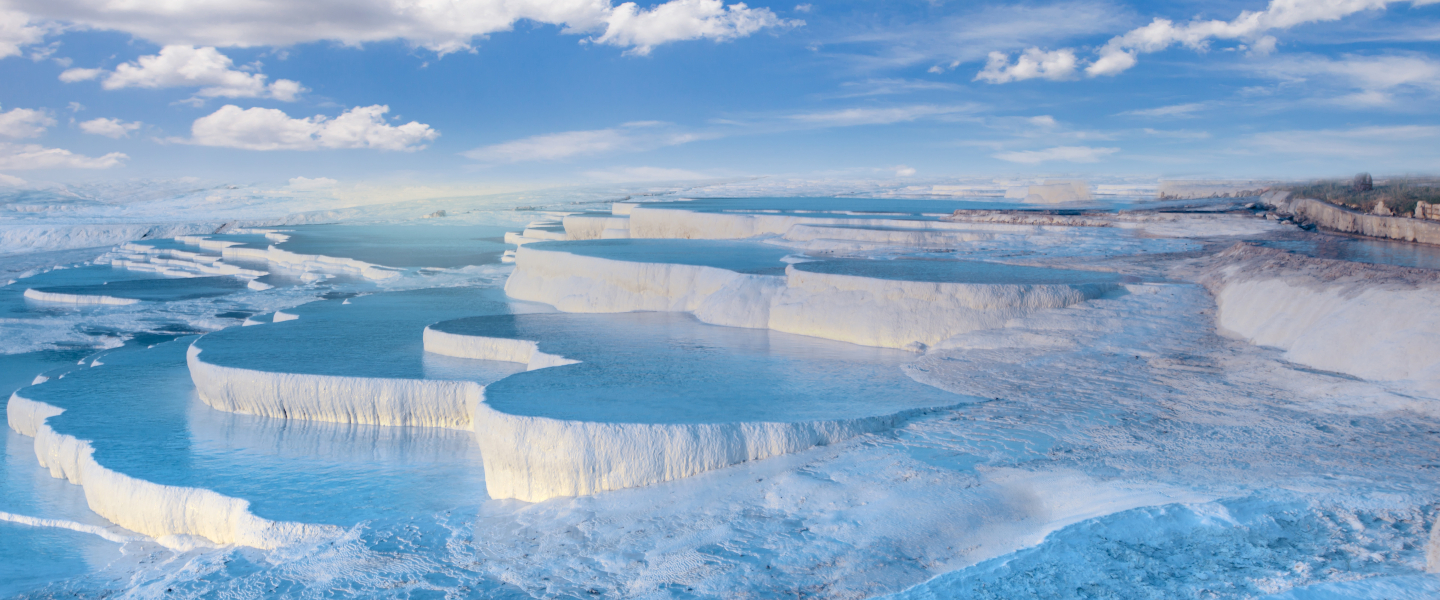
x,y
159,511
81,299
536,458
1058,192
861,310
363,400
1361,322
593,227
525,352
102,532
588,284
908,314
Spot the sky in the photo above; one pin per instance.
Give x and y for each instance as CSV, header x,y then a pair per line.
x,y
509,94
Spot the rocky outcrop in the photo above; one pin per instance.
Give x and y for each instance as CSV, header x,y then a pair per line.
x,y
1335,218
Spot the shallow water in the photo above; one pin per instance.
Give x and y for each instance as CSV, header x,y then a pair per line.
x,y
1380,252
155,290
375,335
435,246
957,271
742,257
671,368
1127,397
289,470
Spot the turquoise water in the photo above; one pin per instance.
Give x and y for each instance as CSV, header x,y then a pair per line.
x,y
436,246
155,290
1353,249
957,271
671,368
741,257
873,206
289,470
890,510
376,335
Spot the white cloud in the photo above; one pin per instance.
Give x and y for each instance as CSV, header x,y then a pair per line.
x,y
1173,110
188,66
1076,154
883,87
649,135
24,123
628,174
78,74
630,137
317,183
1376,78
272,129
17,157
443,27
948,42
12,180
1033,63
1179,134
878,116
629,26
904,171
17,30
1400,141
111,128
1253,27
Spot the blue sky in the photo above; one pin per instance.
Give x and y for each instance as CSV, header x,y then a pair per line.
x,y
528,93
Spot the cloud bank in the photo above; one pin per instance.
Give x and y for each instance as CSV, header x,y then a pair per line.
x,y
1121,52
443,27
272,129
189,66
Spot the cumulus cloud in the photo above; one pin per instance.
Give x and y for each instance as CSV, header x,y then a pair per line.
x,y
18,157
111,128
316,183
1033,63
1075,154
272,129
189,66
17,30
628,26
21,123
1121,52
904,171
443,27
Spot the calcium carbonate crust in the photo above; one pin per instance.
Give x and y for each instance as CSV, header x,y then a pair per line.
x,y
1376,322
336,399
160,511
860,310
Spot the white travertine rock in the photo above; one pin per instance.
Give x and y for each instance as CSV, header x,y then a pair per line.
x,y
524,352
537,458
861,310
900,314
1372,321
145,507
592,226
82,299
361,400
585,284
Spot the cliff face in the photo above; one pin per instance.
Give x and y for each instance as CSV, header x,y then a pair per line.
x,y
1335,218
